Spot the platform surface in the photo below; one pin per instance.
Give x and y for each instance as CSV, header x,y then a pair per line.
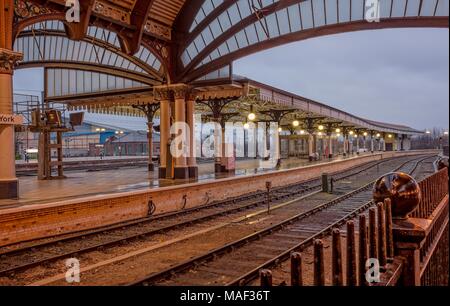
x,y
93,183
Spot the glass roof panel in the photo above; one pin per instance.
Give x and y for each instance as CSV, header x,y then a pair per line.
x,y
319,12
331,9
442,8
385,8
311,13
207,8
74,82
283,21
413,8
398,8
428,8
231,16
358,10
61,48
272,25
344,10
306,14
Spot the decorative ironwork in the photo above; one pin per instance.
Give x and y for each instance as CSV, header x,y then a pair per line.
x,y
25,9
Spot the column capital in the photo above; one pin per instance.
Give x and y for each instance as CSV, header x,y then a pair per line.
x,y
166,92
162,93
8,60
181,91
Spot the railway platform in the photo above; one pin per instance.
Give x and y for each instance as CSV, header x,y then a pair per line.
x,y
111,176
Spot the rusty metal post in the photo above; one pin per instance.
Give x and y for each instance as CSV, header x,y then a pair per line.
x,y
373,235
319,271
336,251
382,255
352,279
325,186
266,278
296,270
363,249
389,236
269,195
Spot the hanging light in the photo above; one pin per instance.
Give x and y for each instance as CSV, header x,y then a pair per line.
x,y
338,131
378,135
296,123
390,136
252,115
321,127
280,129
320,133
365,134
246,126
352,133
302,132
338,135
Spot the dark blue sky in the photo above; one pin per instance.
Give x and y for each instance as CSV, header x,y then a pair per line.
x,y
398,76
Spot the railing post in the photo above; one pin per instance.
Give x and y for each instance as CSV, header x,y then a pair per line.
x,y
389,234
338,276
382,254
319,271
408,238
363,249
296,270
352,278
266,278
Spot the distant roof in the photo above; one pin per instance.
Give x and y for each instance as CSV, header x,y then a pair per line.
x,y
122,123
140,137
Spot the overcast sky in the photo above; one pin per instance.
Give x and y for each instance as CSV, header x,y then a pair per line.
x,y
397,76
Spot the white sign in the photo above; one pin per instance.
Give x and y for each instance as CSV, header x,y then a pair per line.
x,y
11,119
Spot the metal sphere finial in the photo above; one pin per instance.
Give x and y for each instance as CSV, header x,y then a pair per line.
x,y
402,190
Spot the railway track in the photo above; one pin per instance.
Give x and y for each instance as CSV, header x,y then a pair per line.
x,y
268,247
15,260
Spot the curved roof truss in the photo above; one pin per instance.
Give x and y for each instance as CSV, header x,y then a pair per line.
x,y
46,44
238,28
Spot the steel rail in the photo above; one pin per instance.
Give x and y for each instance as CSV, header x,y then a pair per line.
x,y
252,275
231,200
169,272
141,235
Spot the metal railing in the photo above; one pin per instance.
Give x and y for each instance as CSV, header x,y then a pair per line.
x,y
412,252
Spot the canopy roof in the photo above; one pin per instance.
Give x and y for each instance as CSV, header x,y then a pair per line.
x,y
120,49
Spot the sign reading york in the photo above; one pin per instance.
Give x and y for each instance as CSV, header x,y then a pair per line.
x,y
10,119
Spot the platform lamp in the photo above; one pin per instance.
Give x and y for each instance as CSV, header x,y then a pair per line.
x,y
251,116
365,134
